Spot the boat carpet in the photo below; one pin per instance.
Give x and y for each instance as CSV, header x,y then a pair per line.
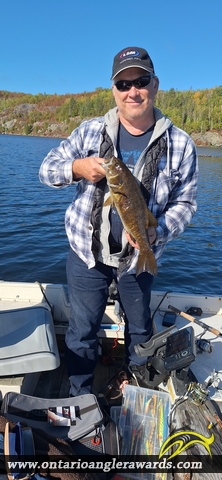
x,y
55,384
204,419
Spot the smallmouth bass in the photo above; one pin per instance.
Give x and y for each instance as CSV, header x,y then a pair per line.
x,y
128,199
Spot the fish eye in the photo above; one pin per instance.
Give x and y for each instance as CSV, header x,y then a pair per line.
x,y
118,167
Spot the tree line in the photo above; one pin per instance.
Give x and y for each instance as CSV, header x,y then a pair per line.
x,y
194,111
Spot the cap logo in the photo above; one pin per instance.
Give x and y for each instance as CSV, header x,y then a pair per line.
x,y
130,53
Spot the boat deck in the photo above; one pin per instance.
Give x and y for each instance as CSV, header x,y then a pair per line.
x,y
188,415
54,383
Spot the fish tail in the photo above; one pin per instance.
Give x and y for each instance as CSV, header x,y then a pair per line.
x,y
146,263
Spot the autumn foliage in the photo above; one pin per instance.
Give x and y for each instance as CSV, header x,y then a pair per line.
x,y
57,115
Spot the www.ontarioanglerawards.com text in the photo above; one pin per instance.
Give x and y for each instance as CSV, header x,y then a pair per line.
x,y
115,464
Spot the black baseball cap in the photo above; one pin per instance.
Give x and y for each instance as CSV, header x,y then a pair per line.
x,y
132,57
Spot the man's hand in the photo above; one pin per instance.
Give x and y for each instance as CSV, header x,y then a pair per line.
x,y
89,168
151,236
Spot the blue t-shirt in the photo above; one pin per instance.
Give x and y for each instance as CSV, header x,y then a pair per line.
x,y
129,149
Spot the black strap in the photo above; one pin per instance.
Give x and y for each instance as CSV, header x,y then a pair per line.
x,y
42,413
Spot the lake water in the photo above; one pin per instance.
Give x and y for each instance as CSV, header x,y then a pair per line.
x,y
33,243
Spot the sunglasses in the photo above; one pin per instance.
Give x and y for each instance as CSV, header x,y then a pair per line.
x,y
126,85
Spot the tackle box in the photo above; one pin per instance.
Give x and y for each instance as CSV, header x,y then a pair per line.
x,y
143,426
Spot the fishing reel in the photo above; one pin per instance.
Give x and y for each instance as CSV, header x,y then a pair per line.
x,y
203,345
169,353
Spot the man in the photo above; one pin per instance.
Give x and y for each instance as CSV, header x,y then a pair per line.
x,y
164,160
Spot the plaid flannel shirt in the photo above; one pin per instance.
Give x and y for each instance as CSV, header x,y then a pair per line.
x,y
173,195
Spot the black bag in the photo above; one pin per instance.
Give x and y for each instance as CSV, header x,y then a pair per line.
x,y
46,448
88,430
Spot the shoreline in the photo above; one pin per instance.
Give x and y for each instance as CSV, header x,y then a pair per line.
x,y
201,140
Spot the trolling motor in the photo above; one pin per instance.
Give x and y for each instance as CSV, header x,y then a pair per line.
x,y
169,352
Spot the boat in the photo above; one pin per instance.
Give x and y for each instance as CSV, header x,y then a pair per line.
x,y
33,321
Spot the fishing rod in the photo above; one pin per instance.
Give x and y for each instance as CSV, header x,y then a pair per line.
x,y
198,322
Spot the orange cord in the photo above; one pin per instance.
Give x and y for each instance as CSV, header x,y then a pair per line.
x,y
115,341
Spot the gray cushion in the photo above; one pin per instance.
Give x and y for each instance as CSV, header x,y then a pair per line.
x,y
27,341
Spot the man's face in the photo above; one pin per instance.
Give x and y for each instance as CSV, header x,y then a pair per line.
x,y
135,104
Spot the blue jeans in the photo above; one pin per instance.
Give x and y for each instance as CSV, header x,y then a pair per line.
x,y
88,293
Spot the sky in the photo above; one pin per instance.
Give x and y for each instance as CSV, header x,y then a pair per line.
x,y
68,46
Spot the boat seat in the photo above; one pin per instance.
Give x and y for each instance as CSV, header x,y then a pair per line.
x,y
27,341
